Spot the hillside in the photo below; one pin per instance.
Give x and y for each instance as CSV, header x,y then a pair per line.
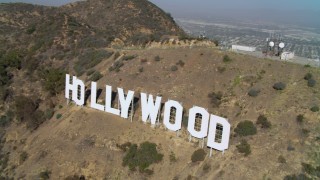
x,y
43,137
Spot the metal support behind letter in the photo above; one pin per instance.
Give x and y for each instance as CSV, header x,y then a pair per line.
x,y
132,110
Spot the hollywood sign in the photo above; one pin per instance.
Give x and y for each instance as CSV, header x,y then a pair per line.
x,y
151,112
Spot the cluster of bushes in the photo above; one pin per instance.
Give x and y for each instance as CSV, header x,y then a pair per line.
x,y
6,119
244,147
279,86
95,76
215,98
263,122
54,80
9,59
311,170
246,128
311,82
142,157
89,59
198,155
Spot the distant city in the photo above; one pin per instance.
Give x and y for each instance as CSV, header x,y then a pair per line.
x,y
303,41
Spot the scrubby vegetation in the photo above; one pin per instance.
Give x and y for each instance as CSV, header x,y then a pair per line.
x,y
300,118
180,63
312,82
89,59
314,108
198,155
244,147
174,68
253,92
141,157
263,122
96,76
27,111
245,128
157,58
215,98
54,80
279,86
226,59
23,157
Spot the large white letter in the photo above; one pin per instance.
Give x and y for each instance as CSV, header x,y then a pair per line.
x,y
125,102
178,116
69,87
74,88
94,103
109,109
204,122
149,108
214,120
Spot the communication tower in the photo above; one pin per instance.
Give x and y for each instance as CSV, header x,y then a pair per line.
x,y
275,45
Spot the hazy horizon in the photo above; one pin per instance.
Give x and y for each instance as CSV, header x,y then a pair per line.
x,y
294,12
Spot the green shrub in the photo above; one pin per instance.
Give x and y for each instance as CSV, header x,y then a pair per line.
x,y
23,156
157,58
6,119
174,68
25,108
279,86
300,118
96,76
58,116
312,171
198,155
54,80
215,98
45,175
253,92
244,147
312,82
315,109
263,121
226,59
142,156
307,65
245,128
49,113
282,160
308,76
